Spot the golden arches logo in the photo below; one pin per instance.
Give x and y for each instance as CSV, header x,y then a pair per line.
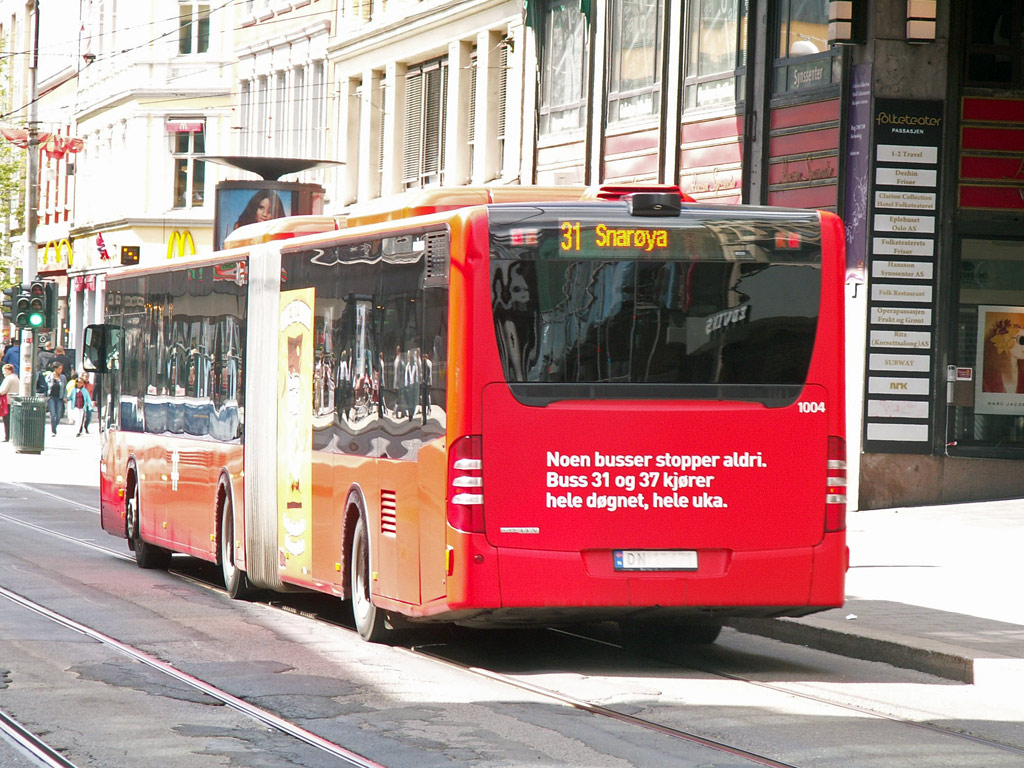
x,y
59,246
181,242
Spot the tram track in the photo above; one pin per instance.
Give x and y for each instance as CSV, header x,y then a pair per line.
x,y
436,654
31,745
259,714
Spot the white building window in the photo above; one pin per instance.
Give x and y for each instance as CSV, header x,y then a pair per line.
x,y
193,28
426,87
189,168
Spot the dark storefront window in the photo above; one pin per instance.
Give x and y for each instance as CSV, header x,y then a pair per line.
x,y
803,59
995,43
634,86
563,77
716,52
988,397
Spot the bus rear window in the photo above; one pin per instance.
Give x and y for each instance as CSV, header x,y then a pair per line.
x,y
626,307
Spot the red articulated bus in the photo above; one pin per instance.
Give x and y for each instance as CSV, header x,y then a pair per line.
x,y
493,407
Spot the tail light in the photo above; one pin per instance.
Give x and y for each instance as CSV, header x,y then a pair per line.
x,y
835,490
466,484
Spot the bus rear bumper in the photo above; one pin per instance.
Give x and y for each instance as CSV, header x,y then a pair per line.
x,y
786,582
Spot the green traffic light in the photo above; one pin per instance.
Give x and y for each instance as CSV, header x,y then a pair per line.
x,y
35,320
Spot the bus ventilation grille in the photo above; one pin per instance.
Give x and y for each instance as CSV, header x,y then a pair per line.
x,y
437,258
388,513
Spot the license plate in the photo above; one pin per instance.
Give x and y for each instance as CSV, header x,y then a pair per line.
x,y
655,559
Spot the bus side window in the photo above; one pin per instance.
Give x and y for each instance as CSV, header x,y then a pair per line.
x,y
435,360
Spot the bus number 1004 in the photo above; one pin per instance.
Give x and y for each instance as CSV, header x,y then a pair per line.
x,y
812,406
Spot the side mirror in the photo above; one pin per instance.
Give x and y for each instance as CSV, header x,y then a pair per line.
x,y
94,355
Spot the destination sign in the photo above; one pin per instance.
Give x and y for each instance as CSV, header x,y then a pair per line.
x,y
612,234
634,238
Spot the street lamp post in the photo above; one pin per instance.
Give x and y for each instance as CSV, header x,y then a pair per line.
x,y
30,257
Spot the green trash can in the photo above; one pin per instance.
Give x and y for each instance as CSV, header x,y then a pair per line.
x,y
28,423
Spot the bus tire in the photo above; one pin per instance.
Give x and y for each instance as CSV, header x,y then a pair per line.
x,y
236,582
147,555
370,621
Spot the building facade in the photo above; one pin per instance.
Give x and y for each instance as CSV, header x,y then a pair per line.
x,y
904,116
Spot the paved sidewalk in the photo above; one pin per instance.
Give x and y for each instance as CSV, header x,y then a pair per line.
x,y
935,589
65,459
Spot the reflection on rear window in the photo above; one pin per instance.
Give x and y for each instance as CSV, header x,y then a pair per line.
x,y
664,322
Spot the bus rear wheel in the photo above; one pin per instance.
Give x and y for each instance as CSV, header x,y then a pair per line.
x,y
146,555
370,621
236,582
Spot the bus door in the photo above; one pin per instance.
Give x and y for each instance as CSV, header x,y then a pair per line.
x,y
400,371
102,354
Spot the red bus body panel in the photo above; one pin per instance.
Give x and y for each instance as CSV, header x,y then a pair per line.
x,y
750,499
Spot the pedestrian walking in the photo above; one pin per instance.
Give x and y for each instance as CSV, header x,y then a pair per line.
x,y
13,356
61,356
45,359
80,404
9,388
56,389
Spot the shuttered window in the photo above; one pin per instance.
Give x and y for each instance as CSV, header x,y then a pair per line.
x,y
318,115
381,120
426,88
299,122
280,113
245,119
502,102
262,116
474,62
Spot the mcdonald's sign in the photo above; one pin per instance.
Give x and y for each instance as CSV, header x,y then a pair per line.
x,y
182,243
59,248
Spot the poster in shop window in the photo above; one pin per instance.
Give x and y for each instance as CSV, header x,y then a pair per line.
x,y
1000,359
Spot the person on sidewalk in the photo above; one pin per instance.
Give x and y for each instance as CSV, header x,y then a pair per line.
x,y
80,404
61,356
13,356
9,388
44,361
56,389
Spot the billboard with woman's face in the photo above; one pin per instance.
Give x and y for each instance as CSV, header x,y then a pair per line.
x,y
249,202
237,206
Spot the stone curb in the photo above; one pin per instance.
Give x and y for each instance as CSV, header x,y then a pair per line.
x,y
940,659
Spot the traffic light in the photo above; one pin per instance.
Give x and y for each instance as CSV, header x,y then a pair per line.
x,y
36,305
50,305
21,307
9,301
